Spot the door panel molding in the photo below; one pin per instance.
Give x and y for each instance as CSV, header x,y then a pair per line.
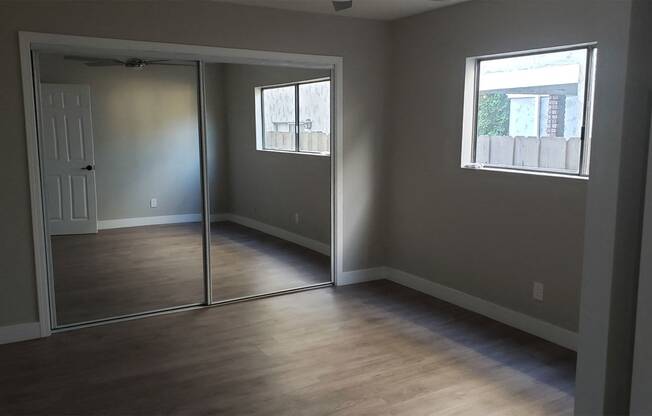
x,y
67,140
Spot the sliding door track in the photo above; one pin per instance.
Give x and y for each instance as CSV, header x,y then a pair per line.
x,y
185,308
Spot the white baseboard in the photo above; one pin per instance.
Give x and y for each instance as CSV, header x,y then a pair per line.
x,y
363,275
534,326
142,221
315,245
20,332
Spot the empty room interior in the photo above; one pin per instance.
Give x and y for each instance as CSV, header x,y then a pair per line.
x,y
366,207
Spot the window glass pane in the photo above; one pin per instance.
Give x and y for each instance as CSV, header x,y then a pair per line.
x,y
315,117
279,118
522,116
530,111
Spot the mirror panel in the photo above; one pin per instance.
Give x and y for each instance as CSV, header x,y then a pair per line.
x,y
120,161
268,142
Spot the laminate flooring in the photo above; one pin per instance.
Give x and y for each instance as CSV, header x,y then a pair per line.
x,y
369,349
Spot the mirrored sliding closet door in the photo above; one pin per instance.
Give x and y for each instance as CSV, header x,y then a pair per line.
x,y
120,165
269,165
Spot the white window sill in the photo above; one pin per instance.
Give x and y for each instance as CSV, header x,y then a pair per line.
x,y
525,172
290,152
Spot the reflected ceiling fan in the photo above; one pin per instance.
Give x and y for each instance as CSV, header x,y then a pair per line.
x,y
134,63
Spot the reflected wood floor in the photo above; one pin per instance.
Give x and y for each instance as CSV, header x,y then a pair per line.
x,y
247,262
369,349
132,270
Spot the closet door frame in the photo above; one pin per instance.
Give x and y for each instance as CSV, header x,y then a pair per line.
x,y
31,43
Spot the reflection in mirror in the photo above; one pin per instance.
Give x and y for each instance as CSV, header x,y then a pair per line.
x,y
119,148
315,117
268,141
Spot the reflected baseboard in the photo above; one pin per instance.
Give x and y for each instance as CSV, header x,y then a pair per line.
x,y
303,241
281,233
143,221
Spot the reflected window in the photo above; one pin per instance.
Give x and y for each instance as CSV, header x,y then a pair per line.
x,y
294,117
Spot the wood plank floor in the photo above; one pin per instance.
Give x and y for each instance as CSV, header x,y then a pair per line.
x,y
132,270
370,349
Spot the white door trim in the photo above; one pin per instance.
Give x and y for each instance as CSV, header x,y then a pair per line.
x,y
30,98
31,41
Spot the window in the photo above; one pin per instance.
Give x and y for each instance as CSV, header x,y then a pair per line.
x,y
530,111
294,117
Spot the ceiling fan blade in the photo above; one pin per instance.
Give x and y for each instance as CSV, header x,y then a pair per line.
x,y
167,62
105,63
172,63
342,4
155,61
94,61
81,58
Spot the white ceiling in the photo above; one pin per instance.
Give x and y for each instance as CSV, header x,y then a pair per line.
x,y
368,9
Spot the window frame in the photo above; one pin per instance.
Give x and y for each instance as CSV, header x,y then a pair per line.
x,y
260,117
470,112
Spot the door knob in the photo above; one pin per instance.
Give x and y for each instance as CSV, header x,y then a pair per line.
x,y
89,167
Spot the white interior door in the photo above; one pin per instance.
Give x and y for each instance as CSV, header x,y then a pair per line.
x,y
67,159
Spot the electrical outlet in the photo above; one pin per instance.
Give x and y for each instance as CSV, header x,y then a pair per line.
x,y
297,219
537,291
153,203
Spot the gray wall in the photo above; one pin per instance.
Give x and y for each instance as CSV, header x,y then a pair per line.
x,y
146,135
271,186
437,224
640,76
217,145
613,240
622,308
363,44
